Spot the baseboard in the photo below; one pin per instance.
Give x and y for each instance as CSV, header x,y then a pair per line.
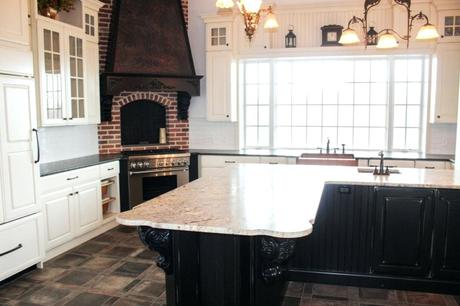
x,y
50,254
375,281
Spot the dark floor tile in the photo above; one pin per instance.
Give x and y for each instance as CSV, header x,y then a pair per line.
x,y
147,255
330,292
13,290
294,289
291,301
374,294
457,299
307,290
119,251
133,301
149,288
99,263
133,269
113,283
77,278
70,260
87,298
155,274
90,248
46,296
316,302
125,229
43,275
425,298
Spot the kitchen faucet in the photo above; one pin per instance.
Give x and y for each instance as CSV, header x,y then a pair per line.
x,y
382,170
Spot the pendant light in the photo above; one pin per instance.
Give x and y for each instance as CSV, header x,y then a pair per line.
x,y
387,41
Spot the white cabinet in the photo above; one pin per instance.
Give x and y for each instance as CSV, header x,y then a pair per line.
x,y
445,84
219,34
88,210
393,163
73,206
18,152
69,76
427,164
14,23
58,211
21,245
221,83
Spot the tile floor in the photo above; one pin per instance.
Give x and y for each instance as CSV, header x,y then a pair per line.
x,y
116,269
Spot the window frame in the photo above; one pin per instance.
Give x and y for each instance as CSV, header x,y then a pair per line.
x,y
426,68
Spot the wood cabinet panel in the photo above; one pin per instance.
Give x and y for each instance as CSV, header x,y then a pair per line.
x,y
447,236
403,230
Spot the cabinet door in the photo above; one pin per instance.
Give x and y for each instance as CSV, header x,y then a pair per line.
x,y
447,236
92,83
14,24
221,86
18,170
52,75
76,78
88,207
403,231
219,36
446,97
58,210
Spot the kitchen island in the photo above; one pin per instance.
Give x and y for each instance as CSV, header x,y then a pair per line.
x,y
228,238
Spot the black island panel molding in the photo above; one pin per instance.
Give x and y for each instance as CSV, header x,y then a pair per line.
x,y
216,269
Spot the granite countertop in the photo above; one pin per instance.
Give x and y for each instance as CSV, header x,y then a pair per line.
x,y
76,163
274,200
297,153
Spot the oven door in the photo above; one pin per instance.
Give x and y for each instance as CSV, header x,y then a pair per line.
x,y
146,185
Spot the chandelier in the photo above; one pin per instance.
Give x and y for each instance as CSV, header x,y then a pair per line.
x,y
388,38
251,10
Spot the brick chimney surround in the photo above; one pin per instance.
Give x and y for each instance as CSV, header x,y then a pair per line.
x,y
109,133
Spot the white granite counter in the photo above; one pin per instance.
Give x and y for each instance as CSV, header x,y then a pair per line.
x,y
273,200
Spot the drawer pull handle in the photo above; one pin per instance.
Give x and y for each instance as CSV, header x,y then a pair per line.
x,y
430,167
110,169
72,178
230,162
12,250
273,163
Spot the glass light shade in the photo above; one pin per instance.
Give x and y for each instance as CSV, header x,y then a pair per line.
x,y
387,41
251,6
426,32
225,4
271,22
349,36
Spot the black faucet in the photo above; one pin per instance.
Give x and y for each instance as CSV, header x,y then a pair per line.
x,y
382,170
328,146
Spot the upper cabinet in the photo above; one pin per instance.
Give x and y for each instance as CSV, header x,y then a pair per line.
x,y
219,35
449,25
445,83
15,39
68,67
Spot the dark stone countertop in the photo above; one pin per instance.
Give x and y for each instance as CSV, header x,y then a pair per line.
x,y
297,153
77,163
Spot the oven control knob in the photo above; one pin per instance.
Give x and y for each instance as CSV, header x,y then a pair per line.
x,y
146,164
133,166
140,164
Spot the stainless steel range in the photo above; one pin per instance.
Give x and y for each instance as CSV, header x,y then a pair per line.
x,y
154,173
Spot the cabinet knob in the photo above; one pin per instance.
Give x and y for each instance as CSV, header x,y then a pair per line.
x,y
227,45
228,116
438,116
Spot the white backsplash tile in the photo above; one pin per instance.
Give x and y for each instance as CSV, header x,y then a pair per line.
x,y
59,143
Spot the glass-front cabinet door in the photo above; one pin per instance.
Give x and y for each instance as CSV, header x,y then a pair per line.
x,y
52,74
76,79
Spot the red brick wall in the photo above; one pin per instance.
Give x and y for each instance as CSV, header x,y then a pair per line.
x,y
176,131
109,132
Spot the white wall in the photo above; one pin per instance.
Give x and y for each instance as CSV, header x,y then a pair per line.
x,y
218,135
59,143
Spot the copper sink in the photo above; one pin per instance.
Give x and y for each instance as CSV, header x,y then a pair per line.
x,y
327,159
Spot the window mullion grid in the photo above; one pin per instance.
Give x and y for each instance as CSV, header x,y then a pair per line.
x,y
391,85
272,104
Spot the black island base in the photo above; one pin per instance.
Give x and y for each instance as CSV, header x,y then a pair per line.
x,y
205,269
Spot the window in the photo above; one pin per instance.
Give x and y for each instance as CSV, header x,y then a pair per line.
x,y
451,26
370,103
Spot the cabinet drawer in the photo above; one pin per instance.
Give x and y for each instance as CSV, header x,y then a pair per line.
x,y
109,169
274,160
69,178
209,161
423,164
20,245
393,163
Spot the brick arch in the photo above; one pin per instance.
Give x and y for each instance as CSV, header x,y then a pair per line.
x,y
109,133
